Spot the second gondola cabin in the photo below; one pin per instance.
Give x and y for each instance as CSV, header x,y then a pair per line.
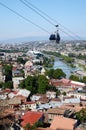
x,y
56,36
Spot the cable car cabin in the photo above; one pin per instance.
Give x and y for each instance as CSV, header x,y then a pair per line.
x,y
54,37
57,38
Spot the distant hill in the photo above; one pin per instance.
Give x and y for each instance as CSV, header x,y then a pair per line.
x,y
25,39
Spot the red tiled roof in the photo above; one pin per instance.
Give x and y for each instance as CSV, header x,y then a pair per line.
x,y
31,117
62,82
65,80
65,83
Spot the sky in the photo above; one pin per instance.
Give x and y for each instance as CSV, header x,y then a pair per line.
x,y
70,14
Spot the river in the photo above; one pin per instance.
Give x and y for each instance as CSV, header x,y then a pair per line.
x,y
61,65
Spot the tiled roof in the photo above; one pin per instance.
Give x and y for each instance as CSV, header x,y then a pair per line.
x,y
66,83
15,100
57,111
5,112
6,121
62,123
65,80
58,83
44,99
31,117
30,102
4,103
56,99
20,96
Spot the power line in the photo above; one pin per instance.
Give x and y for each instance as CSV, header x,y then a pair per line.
x,y
37,10
26,19
44,17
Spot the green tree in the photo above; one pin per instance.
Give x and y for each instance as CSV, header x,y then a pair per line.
x,y
8,84
1,84
58,93
22,84
31,127
67,59
27,127
64,93
52,88
81,115
58,73
84,79
50,73
21,60
8,73
48,62
42,84
30,83
74,77
30,88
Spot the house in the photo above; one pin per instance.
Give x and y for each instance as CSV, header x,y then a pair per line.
x,y
71,99
51,94
55,102
36,97
63,123
75,108
22,98
4,103
32,117
66,84
6,118
3,95
55,82
14,102
53,112
43,107
23,92
77,95
29,105
76,84
12,94
28,67
43,99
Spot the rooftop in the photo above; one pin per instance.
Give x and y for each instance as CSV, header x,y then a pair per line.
x,y
62,123
31,117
